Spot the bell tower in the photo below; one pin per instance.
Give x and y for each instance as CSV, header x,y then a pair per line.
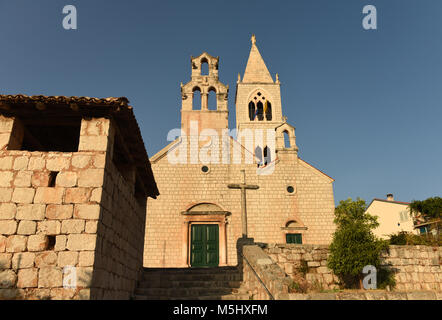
x,y
197,91
258,105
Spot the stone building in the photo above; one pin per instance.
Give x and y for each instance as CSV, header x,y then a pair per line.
x,y
216,188
74,178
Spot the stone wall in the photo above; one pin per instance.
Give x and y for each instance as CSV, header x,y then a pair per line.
x,y
263,279
416,267
88,219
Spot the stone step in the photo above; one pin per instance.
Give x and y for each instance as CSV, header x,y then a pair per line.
x,y
208,297
191,270
183,292
166,283
191,277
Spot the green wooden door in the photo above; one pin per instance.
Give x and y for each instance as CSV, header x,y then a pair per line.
x,y
204,245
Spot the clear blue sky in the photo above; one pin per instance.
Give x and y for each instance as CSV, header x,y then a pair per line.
x,y
366,104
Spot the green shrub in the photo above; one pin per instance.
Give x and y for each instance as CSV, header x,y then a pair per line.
x,y
354,245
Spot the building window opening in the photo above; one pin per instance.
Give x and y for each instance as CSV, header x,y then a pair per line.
x,y
268,110
260,111
46,134
295,238
196,102
252,111
204,67
267,156
211,100
52,178
286,139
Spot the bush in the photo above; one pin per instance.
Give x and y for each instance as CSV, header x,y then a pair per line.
x,y
405,238
354,245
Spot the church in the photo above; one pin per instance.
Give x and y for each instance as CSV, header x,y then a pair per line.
x,y
217,187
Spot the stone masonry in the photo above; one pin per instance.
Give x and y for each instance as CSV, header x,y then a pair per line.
x,y
416,267
76,209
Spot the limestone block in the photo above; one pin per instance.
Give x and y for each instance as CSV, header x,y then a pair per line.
x,y
72,226
91,227
37,242
46,259
423,295
23,195
6,163
6,178
60,243
87,211
84,294
21,163
100,161
4,140
23,260
77,195
27,278
7,211
62,294
26,227
31,212
91,178
5,194
59,212
2,243
36,163
50,277
84,276
50,227
86,258
67,258
66,179
8,279
80,161
57,164
96,195
80,242
16,243
49,195
23,179
5,260
93,143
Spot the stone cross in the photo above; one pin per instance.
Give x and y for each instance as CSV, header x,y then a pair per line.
x,y
243,187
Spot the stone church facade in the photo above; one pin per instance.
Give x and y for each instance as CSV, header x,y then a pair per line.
x,y
196,220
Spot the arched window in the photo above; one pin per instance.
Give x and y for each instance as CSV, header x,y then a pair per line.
x,y
251,110
204,67
267,156
286,139
258,154
268,110
211,100
196,102
260,109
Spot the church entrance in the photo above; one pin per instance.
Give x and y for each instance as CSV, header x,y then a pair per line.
x,y
204,248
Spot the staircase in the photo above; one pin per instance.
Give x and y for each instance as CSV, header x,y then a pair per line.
x,y
222,283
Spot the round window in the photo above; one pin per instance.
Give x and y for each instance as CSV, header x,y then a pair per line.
x,y
290,189
205,169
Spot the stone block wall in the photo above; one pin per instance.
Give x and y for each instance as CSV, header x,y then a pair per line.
x,y
263,279
416,267
75,220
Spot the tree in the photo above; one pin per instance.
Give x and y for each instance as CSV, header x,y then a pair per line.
x,y
354,245
430,209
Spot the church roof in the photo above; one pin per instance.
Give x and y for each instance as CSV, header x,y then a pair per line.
x,y
256,69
